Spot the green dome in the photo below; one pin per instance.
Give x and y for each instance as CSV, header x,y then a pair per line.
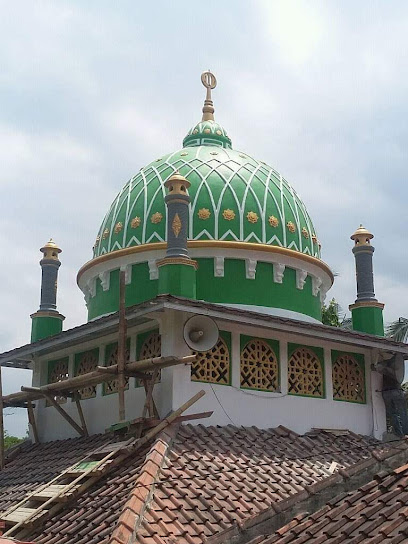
x,y
233,197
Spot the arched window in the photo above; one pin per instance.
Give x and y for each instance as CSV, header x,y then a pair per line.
x,y
305,373
58,372
212,366
84,363
348,379
259,366
111,358
150,349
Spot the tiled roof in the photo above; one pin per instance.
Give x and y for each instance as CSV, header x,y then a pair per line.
x,y
192,483
217,476
376,513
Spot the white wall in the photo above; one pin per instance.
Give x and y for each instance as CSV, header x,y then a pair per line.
x,y
230,404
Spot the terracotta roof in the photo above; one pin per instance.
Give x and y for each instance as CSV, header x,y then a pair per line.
x,y
192,483
376,513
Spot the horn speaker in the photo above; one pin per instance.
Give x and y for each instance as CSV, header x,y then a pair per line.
x,y
200,333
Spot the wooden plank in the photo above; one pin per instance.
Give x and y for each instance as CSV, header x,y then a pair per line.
x,y
122,347
19,515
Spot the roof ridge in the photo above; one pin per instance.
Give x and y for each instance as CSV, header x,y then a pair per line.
x,y
142,493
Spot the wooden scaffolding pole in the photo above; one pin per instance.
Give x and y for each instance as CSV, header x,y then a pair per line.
x,y
1,425
31,421
122,347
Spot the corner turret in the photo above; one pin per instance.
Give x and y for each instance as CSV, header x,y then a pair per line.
x,y
367,312
47,321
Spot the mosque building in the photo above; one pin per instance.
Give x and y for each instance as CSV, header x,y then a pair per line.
x,y
204,400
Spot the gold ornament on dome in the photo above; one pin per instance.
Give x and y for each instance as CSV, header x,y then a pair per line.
x,y
207,130
291,226
305,232
314,238
98,239
228,214
105,234
252,217
176,225
156,218
118,227
219,132
136,221
195,131
204,213
273,221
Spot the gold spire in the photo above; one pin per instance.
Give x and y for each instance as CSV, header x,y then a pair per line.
x,y
209,82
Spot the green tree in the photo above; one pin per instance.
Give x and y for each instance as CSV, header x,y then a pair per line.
x,y
10,441
330,314
398,330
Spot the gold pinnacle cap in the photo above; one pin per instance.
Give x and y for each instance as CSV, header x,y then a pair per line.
x,y
362,232
177,180
209,81
50,249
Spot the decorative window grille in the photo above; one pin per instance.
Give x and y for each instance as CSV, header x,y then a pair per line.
x,y
305,374
87,362
150,349
58,372
348,379
212,366
259,366
112,385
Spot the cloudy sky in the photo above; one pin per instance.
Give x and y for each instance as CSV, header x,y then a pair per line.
x,y
91,91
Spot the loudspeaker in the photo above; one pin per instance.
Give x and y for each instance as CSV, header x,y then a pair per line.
x,y
200,333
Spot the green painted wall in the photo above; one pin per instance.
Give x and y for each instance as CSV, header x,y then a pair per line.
x,y
368,319
233,288
43,327
178,280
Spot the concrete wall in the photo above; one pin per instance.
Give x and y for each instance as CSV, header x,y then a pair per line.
x,y
230,404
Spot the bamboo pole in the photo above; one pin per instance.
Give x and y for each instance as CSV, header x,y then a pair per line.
x,y
95,377
64,414
32,422
1,425
122,348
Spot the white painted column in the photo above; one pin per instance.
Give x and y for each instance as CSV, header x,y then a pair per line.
x,y
374,386
235,360
283,362
328,374
175,381
101,362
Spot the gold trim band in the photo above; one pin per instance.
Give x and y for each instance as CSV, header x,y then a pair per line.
x,y
177,260
248,246
48,313
367,304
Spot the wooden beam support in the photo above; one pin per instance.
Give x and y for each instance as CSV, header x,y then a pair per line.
x,y
122,347
64,414
32,422
81,414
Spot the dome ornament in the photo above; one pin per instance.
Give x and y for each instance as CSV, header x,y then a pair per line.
x,y
209,81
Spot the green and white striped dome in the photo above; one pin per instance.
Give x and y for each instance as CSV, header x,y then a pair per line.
x,y
233,197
